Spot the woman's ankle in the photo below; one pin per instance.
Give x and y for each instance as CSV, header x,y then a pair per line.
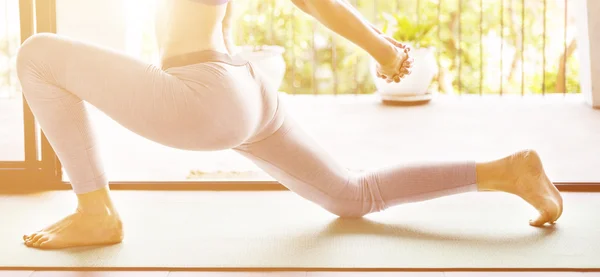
x,y
491,175
98,201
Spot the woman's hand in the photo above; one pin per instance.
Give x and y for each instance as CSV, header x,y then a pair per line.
x,y
405,67
398,69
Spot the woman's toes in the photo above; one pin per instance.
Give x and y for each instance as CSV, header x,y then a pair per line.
x,y
34,239
540,220
37,236
40,241
537,222
31,235
46,244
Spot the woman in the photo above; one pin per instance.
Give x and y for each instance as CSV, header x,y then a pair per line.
x,y
203,98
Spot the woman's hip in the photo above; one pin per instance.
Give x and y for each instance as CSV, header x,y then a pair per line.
x,y
231,103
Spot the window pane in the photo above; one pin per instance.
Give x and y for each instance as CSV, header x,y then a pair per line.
x,y
11,104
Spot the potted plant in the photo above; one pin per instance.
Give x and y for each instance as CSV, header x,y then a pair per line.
x,y
267,58
414,87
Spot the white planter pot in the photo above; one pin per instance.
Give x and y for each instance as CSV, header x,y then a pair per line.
x,y
268,59
414,87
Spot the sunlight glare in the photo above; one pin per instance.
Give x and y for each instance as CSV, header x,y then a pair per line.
x,y
140,24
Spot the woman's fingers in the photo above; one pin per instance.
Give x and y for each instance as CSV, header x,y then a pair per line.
x,y
406,71
405,67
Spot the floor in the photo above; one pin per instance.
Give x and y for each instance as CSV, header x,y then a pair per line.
x,y
472,230
287,274
562,128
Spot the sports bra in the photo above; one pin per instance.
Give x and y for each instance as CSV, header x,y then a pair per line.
x,y
213,2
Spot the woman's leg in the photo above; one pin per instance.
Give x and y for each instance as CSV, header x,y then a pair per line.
x,y
57,75
299,163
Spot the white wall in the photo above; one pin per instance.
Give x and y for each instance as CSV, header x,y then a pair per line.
x,y
97,21
588,25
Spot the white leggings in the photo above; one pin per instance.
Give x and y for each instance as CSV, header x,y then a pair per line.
x,y
204,101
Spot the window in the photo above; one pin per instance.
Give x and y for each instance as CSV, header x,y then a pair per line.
x,y
317,64
12,147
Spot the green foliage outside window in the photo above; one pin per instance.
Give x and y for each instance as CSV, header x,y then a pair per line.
x,y
466,42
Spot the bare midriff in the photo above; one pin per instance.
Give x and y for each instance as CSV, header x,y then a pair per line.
x,y
186,26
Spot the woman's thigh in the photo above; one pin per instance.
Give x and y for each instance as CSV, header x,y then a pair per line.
x,y
196,107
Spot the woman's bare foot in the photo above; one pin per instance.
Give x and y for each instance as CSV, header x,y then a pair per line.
x,y
95,222
523,174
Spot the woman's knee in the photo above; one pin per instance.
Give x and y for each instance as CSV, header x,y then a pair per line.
x,y
33,49
346,206
345,212
358,198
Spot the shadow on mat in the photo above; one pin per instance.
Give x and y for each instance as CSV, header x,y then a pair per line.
x,y
362,226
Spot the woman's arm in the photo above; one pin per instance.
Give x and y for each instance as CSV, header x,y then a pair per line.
x,y
349,5
302,6
340,17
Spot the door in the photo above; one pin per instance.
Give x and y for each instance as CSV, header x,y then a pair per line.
x,y
26,160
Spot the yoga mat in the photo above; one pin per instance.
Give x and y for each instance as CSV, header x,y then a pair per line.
x,y
279,230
